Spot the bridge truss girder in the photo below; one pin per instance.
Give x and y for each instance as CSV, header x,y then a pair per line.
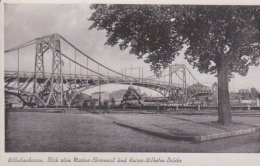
x,y
75,84
175,93
27,84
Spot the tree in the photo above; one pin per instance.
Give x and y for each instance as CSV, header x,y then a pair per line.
x,y
254,93
218,40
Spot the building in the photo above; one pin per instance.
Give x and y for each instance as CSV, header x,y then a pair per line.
x,y
245,94
241,98
13,101
82,99
117,95
103,96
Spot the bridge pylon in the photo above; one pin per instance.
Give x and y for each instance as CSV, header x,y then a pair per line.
x,y
48,90
179,93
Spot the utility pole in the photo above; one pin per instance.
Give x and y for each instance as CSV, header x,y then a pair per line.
x,y
139,74
99,97
87,66
131,70
142,74
125,72
70,67
18,69
99,87
75,70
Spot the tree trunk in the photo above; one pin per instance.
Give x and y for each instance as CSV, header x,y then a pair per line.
x,y
224,108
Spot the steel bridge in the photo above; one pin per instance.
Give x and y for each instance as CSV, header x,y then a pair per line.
x,y
55,83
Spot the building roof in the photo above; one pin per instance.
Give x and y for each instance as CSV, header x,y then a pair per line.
x,y
99,93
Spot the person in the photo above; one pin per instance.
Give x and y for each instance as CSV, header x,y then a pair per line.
x,y
113,101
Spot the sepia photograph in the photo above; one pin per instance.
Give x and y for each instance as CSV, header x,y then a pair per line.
x,y
135,78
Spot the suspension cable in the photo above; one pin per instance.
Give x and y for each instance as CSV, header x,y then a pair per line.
x,y
81,65
21,46
192,75
90,57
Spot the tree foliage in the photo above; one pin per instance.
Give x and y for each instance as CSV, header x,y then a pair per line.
x,y
254,93
215,39
160,32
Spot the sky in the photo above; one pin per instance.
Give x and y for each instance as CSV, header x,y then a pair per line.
x,y
24,22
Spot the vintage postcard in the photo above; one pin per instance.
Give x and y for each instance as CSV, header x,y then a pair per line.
x,y
130,83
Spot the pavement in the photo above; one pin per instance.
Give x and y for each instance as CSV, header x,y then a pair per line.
x,y
196,128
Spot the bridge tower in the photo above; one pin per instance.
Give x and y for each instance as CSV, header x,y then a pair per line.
x,y
179,93
49,90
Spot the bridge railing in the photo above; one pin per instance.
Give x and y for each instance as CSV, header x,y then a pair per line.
x,y
108,79
27,74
